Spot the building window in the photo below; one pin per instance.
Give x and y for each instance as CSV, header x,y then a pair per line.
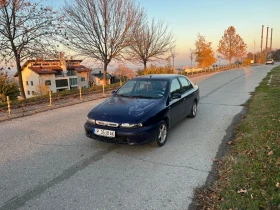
x,y
61,83
73,81
59,73
28,92
33,93
83,79
27,83
71,73
48,82
31,83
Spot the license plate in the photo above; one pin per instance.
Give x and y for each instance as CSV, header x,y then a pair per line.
x,y
103,132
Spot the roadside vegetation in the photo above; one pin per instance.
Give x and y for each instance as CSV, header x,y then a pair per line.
x,y
8,87
249,175
75,93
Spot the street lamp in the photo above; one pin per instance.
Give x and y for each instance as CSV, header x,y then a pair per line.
x,y
219,57
191,56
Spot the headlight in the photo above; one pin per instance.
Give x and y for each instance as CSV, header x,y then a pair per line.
x,y
131,125
89,120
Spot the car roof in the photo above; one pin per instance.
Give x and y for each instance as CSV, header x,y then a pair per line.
x,y
158,76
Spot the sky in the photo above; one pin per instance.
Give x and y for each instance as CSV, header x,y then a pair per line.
x,y
210,18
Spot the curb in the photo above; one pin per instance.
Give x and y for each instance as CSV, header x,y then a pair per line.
x,y
47,108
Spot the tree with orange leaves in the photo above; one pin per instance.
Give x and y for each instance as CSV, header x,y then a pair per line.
x,y
231,46
204,53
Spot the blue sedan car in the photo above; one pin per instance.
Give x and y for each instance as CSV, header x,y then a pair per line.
x,y
143,110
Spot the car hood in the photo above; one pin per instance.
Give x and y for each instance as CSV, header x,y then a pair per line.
x,y
123,110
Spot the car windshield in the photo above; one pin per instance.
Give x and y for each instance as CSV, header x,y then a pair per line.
x,y
145,88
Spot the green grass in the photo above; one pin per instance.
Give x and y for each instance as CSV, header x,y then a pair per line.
x,y
249,175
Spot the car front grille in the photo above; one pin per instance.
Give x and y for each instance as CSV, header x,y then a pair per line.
x,y
108,124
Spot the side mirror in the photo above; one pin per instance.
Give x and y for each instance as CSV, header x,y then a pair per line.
x,y
113,92
176,95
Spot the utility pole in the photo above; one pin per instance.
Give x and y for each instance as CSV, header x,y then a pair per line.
x,y
254,50
271,43
173,61
173,55
261,42
266,43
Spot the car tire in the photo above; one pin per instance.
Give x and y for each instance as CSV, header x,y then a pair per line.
x,y
161,135
193,110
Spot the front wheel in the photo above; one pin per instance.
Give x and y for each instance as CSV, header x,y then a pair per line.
x,y
194,110
161,136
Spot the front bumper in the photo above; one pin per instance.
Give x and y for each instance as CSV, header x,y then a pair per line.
x,y
136,136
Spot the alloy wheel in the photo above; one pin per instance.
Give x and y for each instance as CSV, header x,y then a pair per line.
x,y
162,133
194,109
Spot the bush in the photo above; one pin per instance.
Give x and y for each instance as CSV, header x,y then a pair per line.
x,y
8,87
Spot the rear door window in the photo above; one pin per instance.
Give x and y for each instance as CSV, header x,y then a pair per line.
x,y
186,85
175,87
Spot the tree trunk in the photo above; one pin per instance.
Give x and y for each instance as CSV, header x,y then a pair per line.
x,y
105,74
145,67
22,93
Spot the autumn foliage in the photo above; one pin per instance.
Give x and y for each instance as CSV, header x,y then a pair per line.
x,y
204,53
232,46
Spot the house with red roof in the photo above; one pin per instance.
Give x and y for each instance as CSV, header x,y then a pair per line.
x,y
54,75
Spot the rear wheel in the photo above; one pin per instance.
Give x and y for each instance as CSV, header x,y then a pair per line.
x,y
194,110
161,136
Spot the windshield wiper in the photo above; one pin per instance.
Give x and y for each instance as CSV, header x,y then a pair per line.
x,y
142,96
122,95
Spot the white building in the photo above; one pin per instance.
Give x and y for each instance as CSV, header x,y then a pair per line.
x,y
54,74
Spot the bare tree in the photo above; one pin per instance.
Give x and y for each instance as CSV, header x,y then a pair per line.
x,y
151,43
25,32
101,29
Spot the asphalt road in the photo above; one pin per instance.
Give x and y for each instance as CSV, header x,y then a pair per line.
x,y
46,162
